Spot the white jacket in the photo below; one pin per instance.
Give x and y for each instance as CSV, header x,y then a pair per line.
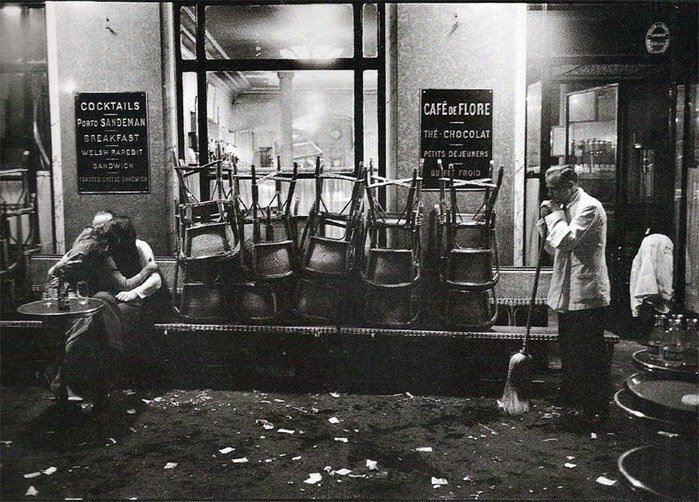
x,y
651,273
577,237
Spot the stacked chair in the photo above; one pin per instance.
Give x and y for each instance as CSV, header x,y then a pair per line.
x,y
207,243
391,259
469,265
328,247
269,261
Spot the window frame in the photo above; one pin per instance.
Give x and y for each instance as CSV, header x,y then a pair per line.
x,y
358,64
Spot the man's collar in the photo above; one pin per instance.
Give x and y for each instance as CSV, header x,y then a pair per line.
x,y
575,196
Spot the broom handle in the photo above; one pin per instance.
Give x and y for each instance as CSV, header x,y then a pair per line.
x,y
533,298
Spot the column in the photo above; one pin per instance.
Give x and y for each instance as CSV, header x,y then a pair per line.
x,y
286,118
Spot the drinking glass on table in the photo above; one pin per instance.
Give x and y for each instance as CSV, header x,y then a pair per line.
x,y
49,294
81,291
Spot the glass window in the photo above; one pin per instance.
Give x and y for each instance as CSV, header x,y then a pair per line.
x,y
37,35
370,30
280,85
190,117
188,32
294,115
371,126
592,142
11,34
533,171
314,31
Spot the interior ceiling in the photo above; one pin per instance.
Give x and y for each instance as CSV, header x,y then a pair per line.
x,y
275,24
604,70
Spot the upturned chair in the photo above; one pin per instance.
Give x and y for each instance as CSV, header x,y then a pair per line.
x,y
270,258
329,242
324,255
469,262
392,261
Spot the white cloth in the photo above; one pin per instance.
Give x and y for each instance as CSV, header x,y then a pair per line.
x,y
651,274
577,237
153,282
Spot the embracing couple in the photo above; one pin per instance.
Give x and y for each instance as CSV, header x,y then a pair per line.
x,y
121,271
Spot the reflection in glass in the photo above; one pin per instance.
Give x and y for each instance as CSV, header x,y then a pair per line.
x,y
294,115
188,32
272,119
370,30
11,34
313,31
190,117
531,239
592,140
371,126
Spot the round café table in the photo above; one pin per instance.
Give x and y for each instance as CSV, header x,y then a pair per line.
x,y
665,472
669,470
60,319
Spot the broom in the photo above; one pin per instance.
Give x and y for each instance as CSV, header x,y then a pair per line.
x,y
514,400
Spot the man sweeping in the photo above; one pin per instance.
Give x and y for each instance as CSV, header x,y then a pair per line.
x,y
575,228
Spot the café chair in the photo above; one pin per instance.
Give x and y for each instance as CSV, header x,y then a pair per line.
x,y
392,261
328,246
269,258
469,310
323,254
256,302
469,265
318,299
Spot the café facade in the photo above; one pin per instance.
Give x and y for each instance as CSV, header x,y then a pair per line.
x,y
101,101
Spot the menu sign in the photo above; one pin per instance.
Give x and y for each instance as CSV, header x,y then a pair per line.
x,y
111,134
456,128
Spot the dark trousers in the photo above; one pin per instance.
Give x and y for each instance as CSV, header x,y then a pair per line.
x,y
584,359
95,352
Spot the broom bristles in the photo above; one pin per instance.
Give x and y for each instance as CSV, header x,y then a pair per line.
x,y
518,379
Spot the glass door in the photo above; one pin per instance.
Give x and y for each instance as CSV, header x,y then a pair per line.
x,y
591,139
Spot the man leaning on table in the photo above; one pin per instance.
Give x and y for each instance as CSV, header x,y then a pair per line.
x,y
574,225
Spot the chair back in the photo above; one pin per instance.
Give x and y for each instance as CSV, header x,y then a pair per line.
x,y
273,260
470,310
390,266
324,254
392,307
470,269
317,300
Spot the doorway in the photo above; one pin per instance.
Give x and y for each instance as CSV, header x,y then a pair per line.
x,y
618,135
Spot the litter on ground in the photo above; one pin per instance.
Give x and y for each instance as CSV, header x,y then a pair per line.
x,y
606,481
313,478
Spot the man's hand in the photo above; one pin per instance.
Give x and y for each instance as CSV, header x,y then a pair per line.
x,y
126,296
547,207
151,267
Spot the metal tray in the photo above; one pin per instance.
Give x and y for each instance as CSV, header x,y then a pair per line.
x,y
663,394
